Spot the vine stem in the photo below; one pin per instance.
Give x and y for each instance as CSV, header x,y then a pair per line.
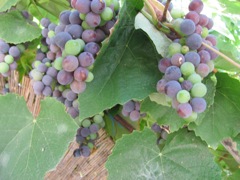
x,y
230,146
124,123
165,10
222,55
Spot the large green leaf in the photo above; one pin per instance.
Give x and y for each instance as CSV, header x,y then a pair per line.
x,y
126,67
185,156
29,147
222,119
7,4
16,29
232,6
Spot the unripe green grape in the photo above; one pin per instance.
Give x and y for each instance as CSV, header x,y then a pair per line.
x,y
90,77
116,5
48,64
90,145
192,118
177,13
51,34
4,67
210,65
58,63
93,136
183,96
37,63
199,90
185,49
176,25
187,68
44,48
182,41
81,43
82,16
73,47
174,48
102,124
107,14
8,59
195,78
37,76
86,123
204,32
86,26
98,119
181,79
108,2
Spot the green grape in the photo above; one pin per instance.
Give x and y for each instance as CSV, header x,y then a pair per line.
x,y
192,118
86,123
185,49
98,119
93,136
176,25
116,5
183,96
44,48
73,47
194,78
37,76
51,34
82,16
205,32
37,63
177,13
4,67
181,79
58,63
86,26
48,64
90,145
8,59
174,48
187,68
198,90
81,43
107,14
108,2
90,77
210,65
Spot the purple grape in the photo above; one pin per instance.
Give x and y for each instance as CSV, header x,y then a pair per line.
x,y
129,106
92,48
100,35
204,56
2,56
68,103
61,38
85,132
213,55
203,21
75,30
70,63
92,19
203,70
172,88
198,29
45,22
73,3
210,24
60,28
194,41
64,93
86,59
47,80
83,6
85,151
56,93
80,74
196,5
89,35
42,68
192,57
187,27
137,106
77,153
38,87
79,139
73,112
64,17
94,128
125,113
97,6
198,104
156,128
64,77
14,51
54,48
212,39
193,16
161,85
71,95
106,28
172,73
187,85
4,47
175,103
74,18
78,87
163,64
52,27
47,91
184,110
177,59
13,66
134,115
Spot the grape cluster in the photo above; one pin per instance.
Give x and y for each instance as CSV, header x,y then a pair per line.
x,y
87,134
131,109
64,62
9,55
188,63
161,133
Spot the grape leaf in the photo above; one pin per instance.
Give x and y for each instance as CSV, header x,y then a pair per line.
x,y
7,4
157,37
222,118
21,30
232,6
184,156
29,147
126,67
